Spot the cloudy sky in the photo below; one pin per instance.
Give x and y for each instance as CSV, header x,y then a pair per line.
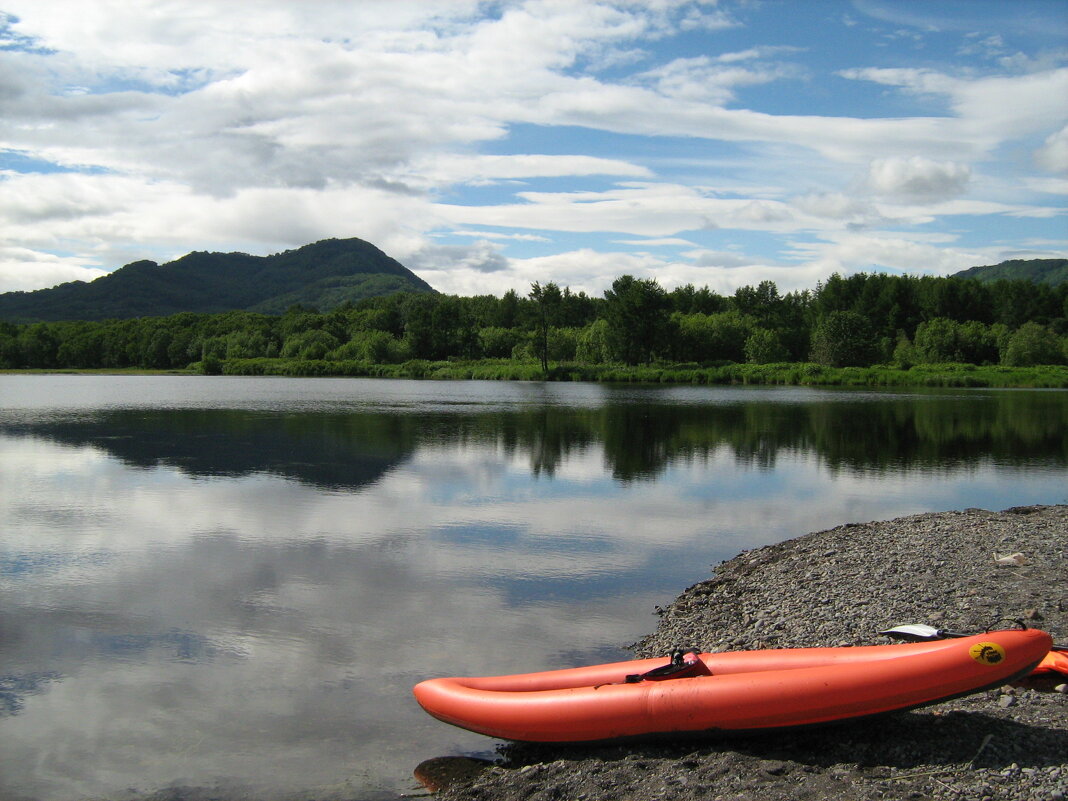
x,y
487,145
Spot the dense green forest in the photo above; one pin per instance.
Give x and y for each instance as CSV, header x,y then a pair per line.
x,y
855,321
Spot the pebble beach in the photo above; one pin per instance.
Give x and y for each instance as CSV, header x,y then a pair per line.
x,y
962,570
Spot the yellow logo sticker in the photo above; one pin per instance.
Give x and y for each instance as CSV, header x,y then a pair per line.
x,y
987,653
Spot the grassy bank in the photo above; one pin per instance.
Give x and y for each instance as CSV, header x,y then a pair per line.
x,y
804,374
191,370
786,374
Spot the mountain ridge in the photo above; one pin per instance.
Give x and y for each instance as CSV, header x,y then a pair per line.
x,y
1041,271
322,275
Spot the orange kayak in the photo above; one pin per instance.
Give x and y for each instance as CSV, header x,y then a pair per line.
x,y
737,691
1055,662
1051,671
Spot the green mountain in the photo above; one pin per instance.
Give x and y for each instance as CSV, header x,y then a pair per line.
x,y
321,275
1041,271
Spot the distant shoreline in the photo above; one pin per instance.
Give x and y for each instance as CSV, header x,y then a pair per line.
x,y
785,374
116,371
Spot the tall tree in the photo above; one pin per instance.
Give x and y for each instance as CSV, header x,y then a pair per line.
x,y
547,302
637,314
760,302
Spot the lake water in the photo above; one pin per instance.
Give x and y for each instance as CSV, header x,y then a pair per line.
x,y
234,583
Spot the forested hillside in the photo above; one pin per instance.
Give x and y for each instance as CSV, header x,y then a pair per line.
x,y
321,275
1041,271
859,320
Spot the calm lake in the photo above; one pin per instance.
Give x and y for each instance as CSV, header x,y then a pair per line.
x,y
234,583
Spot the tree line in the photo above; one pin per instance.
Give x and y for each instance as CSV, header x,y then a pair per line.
x,y
858,320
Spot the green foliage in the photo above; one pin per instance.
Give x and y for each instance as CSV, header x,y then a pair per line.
x,y
563,344
943,340
765,346
439,326
918,324
711,337
10,353
1039,271
374,347
547,301
313,344
329,293
688,300
905,354
636,311
760,302
592,343
843,339
247,344
211,365
497,343
937,341
1033,344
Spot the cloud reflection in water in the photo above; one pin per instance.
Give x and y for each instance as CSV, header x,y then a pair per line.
x,y
247,595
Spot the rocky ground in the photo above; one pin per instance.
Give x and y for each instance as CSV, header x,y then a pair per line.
x,y
840,587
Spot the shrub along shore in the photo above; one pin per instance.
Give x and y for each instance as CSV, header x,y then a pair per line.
x,y
783,374
795,374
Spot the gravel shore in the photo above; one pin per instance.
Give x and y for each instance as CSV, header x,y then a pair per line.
x,y
840,587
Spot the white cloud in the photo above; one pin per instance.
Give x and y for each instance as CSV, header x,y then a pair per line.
x,y
763,51
499,235
1053,155
1050,186
837,206
990,46
446,169
705,20
593,271
206,127
980,208
718,258
705,80
442,260
918,177
724,272
758,213
1013,106
660,242
26,270
986,110
648,209
585,270
853,252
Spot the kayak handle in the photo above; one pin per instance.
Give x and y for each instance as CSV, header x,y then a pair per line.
x,y
683,663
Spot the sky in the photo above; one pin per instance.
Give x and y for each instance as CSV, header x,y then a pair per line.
x,y
489,145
